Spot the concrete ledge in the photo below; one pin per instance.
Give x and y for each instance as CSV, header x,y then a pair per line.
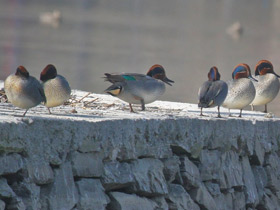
x,y
95,154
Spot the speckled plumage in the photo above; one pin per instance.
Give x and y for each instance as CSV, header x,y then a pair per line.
x,y
22,90
56,87
213,92
267,86
138,88
241,91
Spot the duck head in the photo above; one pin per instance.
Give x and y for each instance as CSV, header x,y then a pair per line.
x,y
158,72
49,72
242,71
21,71
214,74
264,67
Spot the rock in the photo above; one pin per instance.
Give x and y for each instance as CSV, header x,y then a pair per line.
x,y
16,203
224,201
171,168
260,179
239,200
87,164
2,205
92,195
10,164
252,197
203,197
259,152
117,175
270,201
29,193
179,199
272,169
189,173
210,165
231,170
161,202
149,178
5,190
62,193
40,172
122,201
213,188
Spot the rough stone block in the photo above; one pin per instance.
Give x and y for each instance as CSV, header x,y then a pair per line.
x,y
2,205
149,178
210,165
29,193
213,188
92,195
122,201
161,202
260,179
252,197
171,168
5,190
223,201
231,170
10,163
16,203
62,193
40,172
239,200
189,173
272,169
203,197
117,175
87,164
179,199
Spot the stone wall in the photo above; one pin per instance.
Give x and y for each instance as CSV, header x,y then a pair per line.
x,y
173,162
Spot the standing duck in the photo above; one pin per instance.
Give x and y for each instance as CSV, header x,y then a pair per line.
x,y
56,87
213,92
241,90
23,90
267,86
138,88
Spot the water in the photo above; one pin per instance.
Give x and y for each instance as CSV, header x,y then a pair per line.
x,y
187,37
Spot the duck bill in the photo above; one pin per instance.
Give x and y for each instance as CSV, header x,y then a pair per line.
x,y
168,81
253,79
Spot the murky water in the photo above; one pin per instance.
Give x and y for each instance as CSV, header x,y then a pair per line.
x,y
186,36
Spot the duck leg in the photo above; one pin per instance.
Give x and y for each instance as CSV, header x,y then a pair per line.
x,y
24,113
265,108
131,110
229,114
142,105
240,113
252,107
49,110
219,115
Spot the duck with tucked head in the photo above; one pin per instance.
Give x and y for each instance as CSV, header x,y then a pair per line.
x,y
267,86
213,92
241,91
23,90
56,87
138,88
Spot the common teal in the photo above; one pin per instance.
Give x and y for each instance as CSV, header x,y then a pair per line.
x,y
213,92
138,88
23,90
267,86
241,91
56,87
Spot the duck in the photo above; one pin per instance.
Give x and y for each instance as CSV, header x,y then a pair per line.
x,y
241,90
135,88
23,90
56,87
267,86
212,92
